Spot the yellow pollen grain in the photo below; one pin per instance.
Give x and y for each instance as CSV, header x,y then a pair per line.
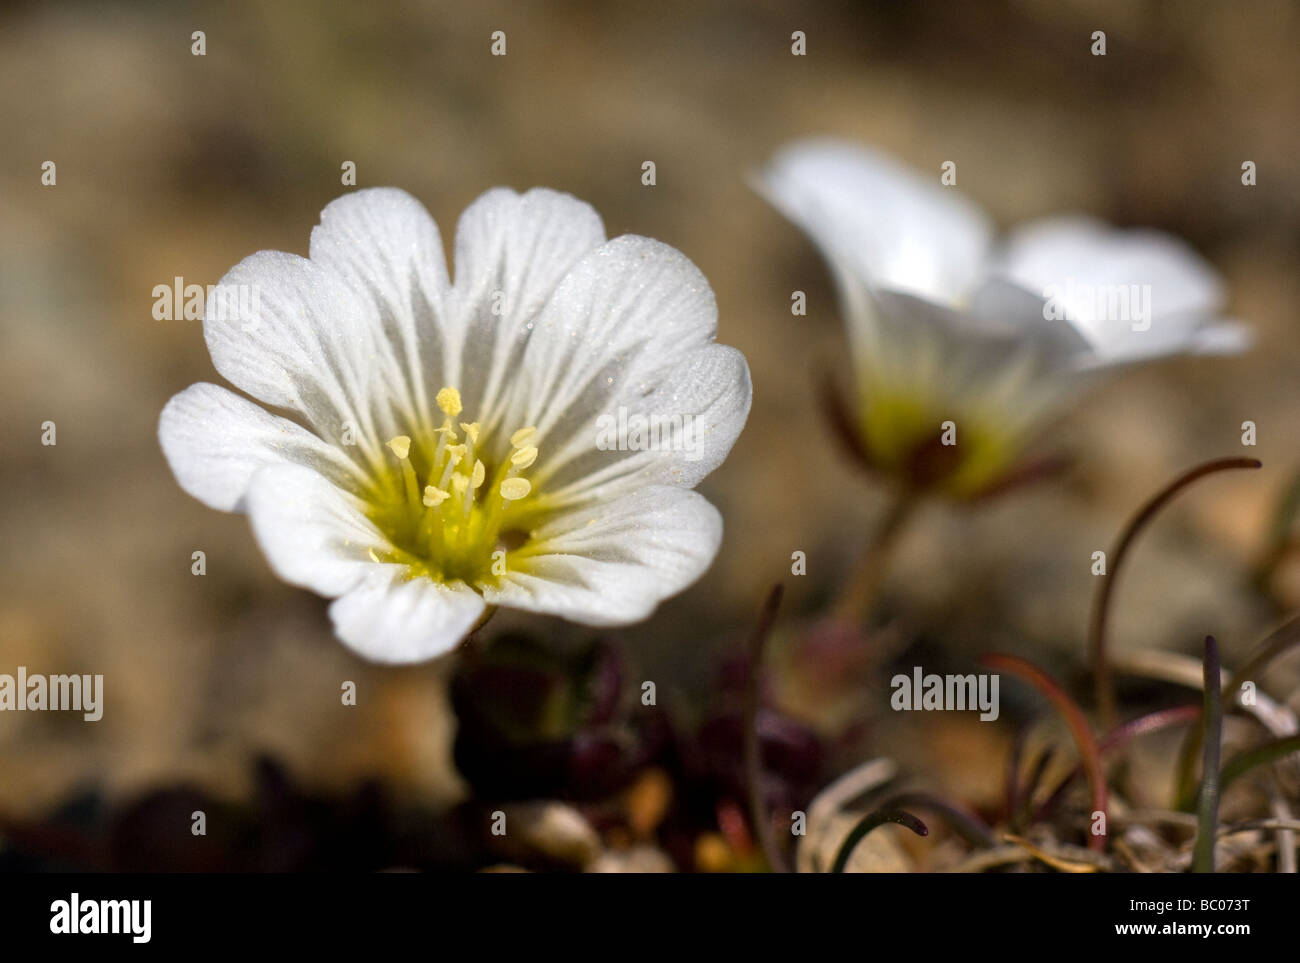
x,y
449,401
523,436
460,483
433,497
480,473
524,457
513,489
456,453
471,429
401,445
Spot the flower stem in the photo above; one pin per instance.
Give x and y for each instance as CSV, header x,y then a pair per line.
x,y
860,591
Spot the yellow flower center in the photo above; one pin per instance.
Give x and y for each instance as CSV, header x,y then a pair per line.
x,y
447,513
903,435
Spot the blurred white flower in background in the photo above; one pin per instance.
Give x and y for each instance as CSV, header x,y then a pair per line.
x,y
947,324
446,461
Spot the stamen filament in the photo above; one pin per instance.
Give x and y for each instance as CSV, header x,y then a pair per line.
x,y
446,530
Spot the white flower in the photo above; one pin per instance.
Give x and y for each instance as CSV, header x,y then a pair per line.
x,y
946,324
446,459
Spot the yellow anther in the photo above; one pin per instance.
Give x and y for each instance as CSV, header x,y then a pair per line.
x,y
401,445
524,457
513,489
457,495
449,401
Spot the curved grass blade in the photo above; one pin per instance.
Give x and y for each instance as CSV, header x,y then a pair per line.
x,y
1261,755
1274,645
1021,816
968,825
1103,682
1084,741
872,821
1120,736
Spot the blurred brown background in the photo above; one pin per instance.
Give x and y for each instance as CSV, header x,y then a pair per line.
x,y
170,164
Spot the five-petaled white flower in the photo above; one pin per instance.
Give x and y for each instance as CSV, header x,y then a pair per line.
x,y
944,324
446,461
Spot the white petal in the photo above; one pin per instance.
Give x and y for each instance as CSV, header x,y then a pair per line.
x,y
390,618
910,326
511,252
385,245
1025,312
215,441
956,364
313,533
612,562
1230,337
879,221
1131,294
310,344
631,326
691,418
